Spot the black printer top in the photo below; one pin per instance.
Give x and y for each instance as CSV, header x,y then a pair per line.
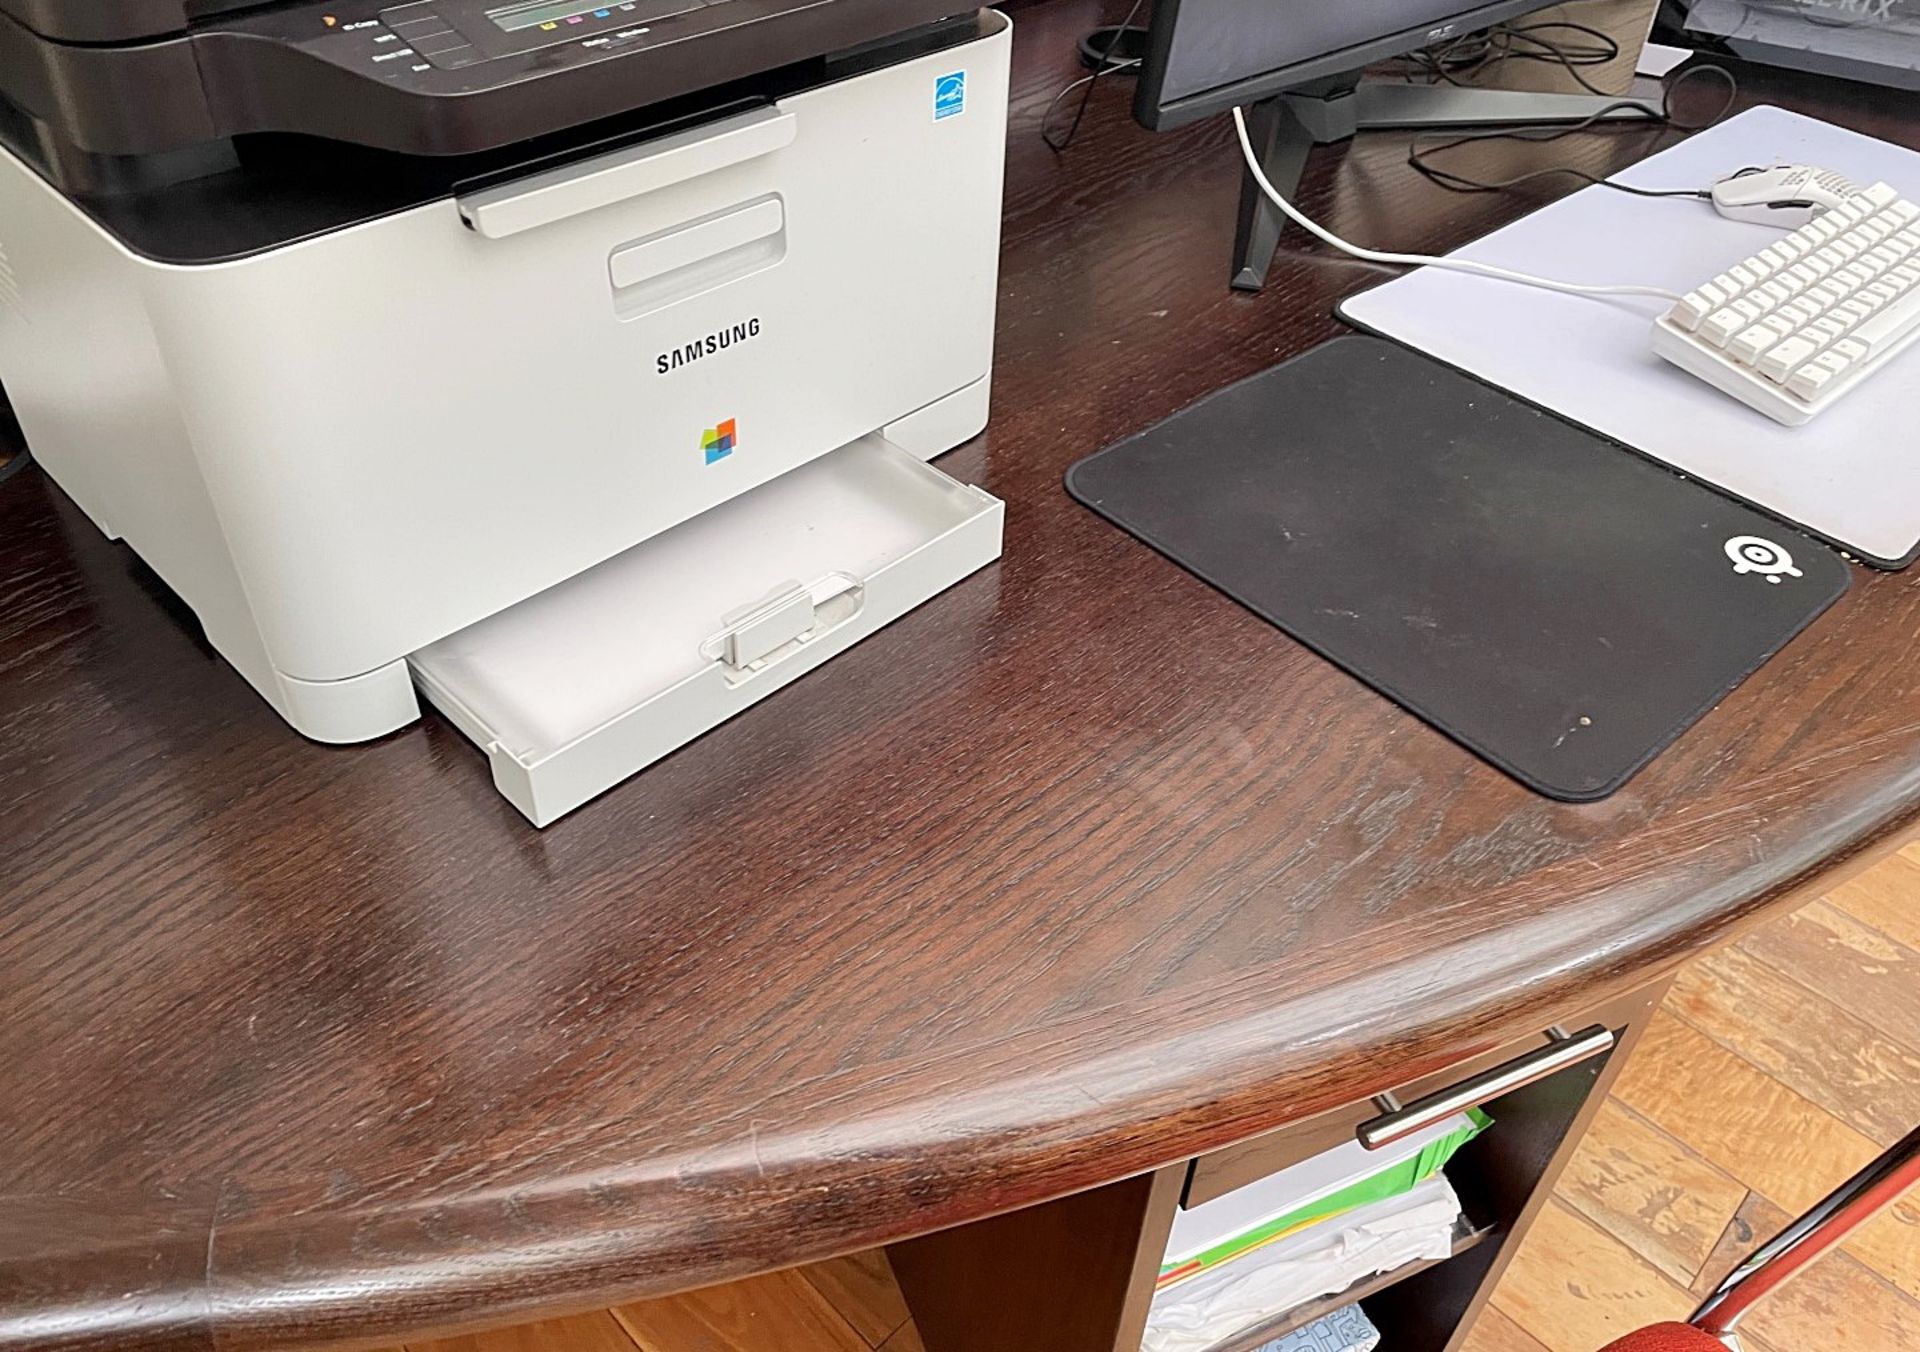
x,y
272,189
420,77
113,20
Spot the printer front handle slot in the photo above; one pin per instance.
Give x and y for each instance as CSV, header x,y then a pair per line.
x,y
555,194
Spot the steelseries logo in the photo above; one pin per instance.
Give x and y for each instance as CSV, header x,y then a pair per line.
x,y
668,362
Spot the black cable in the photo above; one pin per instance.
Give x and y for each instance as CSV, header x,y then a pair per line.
x,y
1472,55
1106,66
1570,58
1706,68
1419,155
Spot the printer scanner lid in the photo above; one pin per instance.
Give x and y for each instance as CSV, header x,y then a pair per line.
x,y
112,20
279,189
420,77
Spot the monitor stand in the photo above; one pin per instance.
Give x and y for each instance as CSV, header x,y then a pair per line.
x,y
1287,126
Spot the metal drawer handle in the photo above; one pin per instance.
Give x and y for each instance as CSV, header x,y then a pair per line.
x,y
1562,1050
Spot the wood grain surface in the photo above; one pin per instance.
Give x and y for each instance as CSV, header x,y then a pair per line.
x,y
1076,871
1651,1192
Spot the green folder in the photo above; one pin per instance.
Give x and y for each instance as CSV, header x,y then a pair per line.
x,y
1392,1181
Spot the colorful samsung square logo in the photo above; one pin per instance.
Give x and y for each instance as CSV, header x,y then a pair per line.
x,y
950,96
718,442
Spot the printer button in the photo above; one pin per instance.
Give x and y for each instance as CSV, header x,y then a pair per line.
x,y
434,43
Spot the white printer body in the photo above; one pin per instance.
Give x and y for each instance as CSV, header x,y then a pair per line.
x,y
517,410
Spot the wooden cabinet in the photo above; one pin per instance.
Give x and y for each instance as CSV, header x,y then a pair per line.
x,y
1077,1274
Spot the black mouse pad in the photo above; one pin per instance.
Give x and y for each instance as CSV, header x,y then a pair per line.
x,y
1559,606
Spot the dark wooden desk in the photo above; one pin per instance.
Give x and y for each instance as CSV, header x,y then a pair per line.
x,y
1079,870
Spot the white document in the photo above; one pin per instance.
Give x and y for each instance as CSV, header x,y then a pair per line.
x,y
1197,1229
1331,1257
1852,474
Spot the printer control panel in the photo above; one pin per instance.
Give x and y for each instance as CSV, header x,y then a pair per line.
x,y
451,34
455,33
499,41
447,77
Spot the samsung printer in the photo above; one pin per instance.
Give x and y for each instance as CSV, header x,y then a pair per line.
x,y
574,363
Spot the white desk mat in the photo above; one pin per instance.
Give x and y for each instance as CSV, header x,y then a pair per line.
x,y
1852,475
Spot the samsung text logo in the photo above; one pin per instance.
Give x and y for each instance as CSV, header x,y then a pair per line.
x,y
668,362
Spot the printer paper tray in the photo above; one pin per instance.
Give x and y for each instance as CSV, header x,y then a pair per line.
x,y
573,690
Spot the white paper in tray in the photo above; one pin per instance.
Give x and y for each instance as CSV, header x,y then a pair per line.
x,y
560,665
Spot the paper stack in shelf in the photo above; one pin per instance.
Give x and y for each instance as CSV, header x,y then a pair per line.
x,y
1256,1287
1307,1193
1307,1231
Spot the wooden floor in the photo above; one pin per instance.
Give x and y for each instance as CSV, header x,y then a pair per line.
x,y
1777,1068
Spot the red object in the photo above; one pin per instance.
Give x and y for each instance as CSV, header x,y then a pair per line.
x,y
1667,1338
1857,1201
1865,1196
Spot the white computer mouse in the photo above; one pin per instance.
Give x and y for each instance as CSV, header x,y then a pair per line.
x,y
1786,195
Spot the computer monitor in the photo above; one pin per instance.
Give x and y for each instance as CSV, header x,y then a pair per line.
x,y
1297,66
1210,56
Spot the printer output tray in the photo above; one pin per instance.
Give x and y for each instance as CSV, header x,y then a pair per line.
x,y
577,688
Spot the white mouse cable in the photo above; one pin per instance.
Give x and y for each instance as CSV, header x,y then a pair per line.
x,y
1421,260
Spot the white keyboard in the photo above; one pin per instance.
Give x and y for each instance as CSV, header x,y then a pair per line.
x,y
1792,329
